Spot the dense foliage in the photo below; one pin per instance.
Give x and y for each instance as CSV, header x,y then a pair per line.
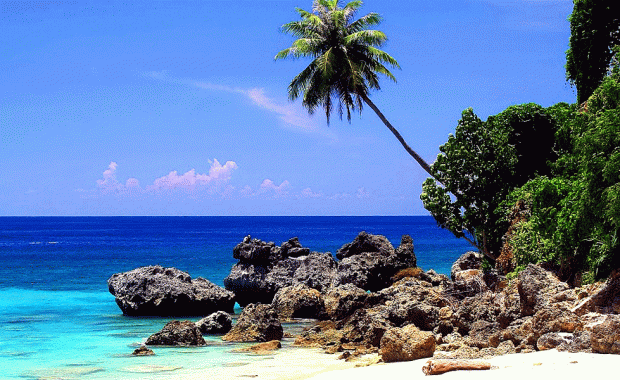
x,y
595,29
575,214
481,164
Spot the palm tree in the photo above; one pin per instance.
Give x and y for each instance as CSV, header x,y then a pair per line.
x,y
346,61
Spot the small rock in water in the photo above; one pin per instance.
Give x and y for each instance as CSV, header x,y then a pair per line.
x,y
143,351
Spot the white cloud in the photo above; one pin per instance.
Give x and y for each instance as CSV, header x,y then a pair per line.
x,y
269,186
109,183
191,180
308,193
362,193
291,115
214,181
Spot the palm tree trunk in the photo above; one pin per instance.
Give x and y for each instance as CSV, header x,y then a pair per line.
x,y
413,153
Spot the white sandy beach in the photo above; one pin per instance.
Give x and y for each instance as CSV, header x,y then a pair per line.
x,y
536,365
316,365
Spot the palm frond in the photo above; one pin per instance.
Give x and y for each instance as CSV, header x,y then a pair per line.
x,y
371,19
382,56
366,37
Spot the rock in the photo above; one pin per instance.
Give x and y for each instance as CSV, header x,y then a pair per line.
x,y
480,334
481,307
257,323
249,284
317,270
406,344
404,252
340,302
410,301
320,334
469,282
364,243
468,260
364,327
264,268
143,351
158,291
177,333
264,348
552,340
255,251
536,288
217,323
292,248
605,301
370,261
580,341
299,301
555,318
605,335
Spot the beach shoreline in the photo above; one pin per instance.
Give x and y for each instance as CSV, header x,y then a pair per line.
x,y
314,364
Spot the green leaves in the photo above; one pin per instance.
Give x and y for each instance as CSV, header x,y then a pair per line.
x,y
595,30
480,164
346,57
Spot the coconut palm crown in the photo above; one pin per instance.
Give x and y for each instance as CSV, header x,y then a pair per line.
x,y
346,61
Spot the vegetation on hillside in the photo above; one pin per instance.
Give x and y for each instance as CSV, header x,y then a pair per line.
x,y
549,177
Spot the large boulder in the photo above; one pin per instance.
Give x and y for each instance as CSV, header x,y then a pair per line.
x,y
340,302
606,300
316,270
299,301
406,344
159,291
255,251
537,288
410,301
177,333
467,261
257,323
217,323
605,335
370,261
365,327
265,268
249,284
365,242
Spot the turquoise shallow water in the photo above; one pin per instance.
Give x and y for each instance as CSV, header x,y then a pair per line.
x,y
58,321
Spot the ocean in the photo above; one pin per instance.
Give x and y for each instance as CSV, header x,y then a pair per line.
x,y
58,321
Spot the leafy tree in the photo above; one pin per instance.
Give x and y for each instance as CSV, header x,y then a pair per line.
x,y
481,164
575,214
346,61
595,29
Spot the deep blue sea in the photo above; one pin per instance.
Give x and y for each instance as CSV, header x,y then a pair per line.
x,y
58,321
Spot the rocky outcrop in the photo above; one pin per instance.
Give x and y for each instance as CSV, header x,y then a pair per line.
x,y
265,268
606,300
177,333
217,323
406,344
370,261
299,301
365,327
159,291
341,301
316,270
605,335
257,323
467,261
365,242
537,287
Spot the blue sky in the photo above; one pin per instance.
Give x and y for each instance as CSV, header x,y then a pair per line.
x,y
178,108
